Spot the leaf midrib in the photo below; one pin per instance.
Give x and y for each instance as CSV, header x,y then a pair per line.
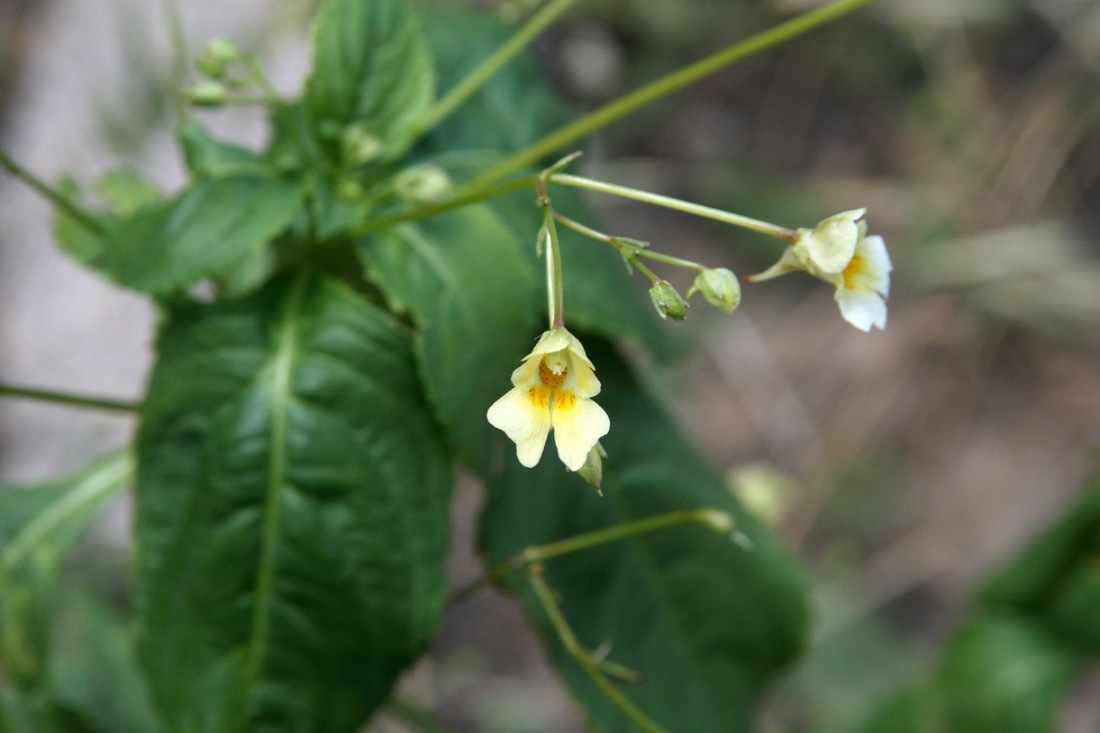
x,y
286,352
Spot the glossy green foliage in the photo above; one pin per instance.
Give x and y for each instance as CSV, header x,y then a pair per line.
x,y
371,69
292,517
470,291
706,620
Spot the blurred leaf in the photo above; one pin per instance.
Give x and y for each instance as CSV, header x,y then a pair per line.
x,y
212,225
371,67
472,294
1054,578
292,515
1003,675
94,676
208,156
38,525
127,191
707,621
52,515
515,108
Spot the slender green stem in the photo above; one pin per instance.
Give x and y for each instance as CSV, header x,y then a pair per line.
x,y
67,398
716,519
174,24
582,656
670,260
426,212
50,194
490,66
666,85
630,252
260,77
555,280
668,202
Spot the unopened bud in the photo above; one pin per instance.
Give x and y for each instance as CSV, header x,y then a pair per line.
x,y
218,54
667,301
359,146
207,94
422,184
719,287
592,470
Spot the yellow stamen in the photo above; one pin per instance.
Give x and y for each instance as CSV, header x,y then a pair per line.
x,y
854,268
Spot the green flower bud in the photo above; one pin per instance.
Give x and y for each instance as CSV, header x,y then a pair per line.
x,y
359,146
592,470
667,301
719,287
218,54
422,184
207,94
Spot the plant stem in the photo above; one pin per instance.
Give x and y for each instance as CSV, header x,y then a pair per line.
x,y
555,280
630,252
582,656
668,202
490,66
666,85
426,212
50,194
716,519
174,24
67,398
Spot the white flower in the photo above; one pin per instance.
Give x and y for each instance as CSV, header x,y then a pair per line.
x,y
552,390
838,251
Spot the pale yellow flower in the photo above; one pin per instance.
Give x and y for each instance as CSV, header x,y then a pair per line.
x,y
553,389
839,252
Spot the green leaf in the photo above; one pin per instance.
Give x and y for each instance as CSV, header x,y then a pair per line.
x,y
515,108
38,526
208,228
292,514
94,677
462,278
207,156
707,621
1001,674
371,68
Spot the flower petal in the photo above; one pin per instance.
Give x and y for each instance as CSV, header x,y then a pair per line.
x,y
523,413
878,268
862,308
831,244
527,373
578,424
581,378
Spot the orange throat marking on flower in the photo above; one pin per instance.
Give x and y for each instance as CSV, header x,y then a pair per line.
x,y
550,380
854,268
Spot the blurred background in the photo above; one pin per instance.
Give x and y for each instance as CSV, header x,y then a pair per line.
x,y
902,466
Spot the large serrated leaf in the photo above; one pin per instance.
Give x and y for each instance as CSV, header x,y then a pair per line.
x,y
209,227
472,293
371,68
292,512
707,621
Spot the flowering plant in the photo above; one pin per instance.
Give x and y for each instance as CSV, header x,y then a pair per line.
x,y
340,313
